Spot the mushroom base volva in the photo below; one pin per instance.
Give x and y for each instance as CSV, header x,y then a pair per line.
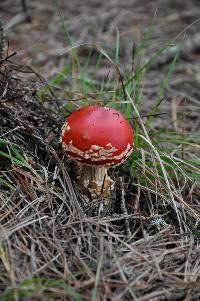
x,y
99,137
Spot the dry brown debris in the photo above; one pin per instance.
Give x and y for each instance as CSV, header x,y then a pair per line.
x,y
49,232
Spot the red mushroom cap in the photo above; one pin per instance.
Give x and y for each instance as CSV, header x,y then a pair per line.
x,y
97,136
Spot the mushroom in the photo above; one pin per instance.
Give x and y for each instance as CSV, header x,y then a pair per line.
x,y
97,138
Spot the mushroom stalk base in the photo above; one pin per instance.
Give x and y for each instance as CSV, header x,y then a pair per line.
x,y
94,181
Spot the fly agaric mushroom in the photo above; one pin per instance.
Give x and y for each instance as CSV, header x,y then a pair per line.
x,y
97,138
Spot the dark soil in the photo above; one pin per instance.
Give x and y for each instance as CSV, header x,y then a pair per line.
x,y
41,42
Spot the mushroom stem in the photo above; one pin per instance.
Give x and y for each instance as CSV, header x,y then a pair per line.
x,y
94,180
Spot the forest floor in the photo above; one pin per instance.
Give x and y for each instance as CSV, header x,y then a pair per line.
x,y
53,243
